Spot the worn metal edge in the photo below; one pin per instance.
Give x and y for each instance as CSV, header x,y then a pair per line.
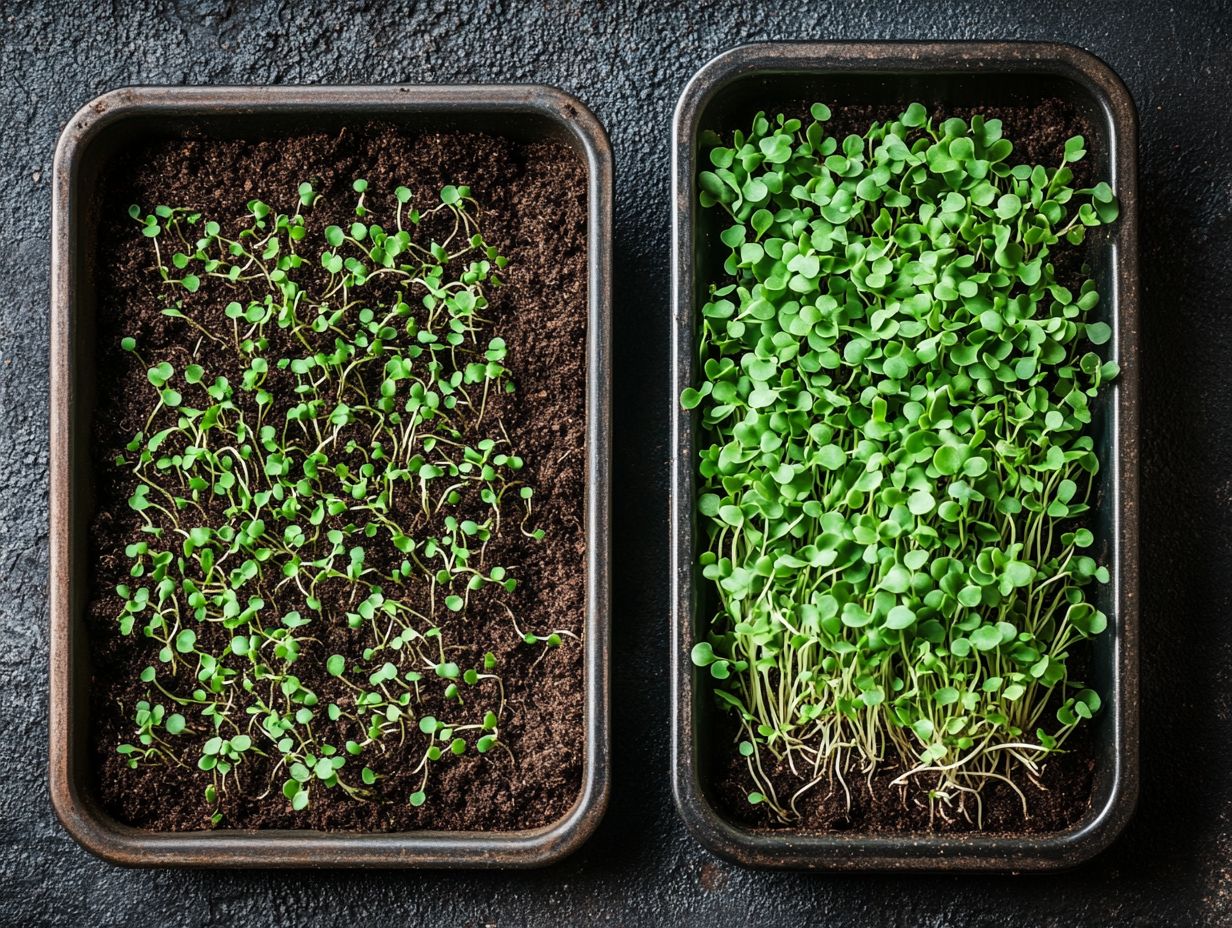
x,y
124,845
912,853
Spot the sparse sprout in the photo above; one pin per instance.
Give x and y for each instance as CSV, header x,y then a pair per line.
x,y
153,723
359,426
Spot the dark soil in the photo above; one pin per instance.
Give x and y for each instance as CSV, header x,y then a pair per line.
x,y
1063,795
1060,799
533,201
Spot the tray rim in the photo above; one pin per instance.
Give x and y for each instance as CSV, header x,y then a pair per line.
x,y
912,852
121,844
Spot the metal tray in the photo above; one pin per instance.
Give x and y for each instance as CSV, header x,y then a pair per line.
x,y
522,112
724,95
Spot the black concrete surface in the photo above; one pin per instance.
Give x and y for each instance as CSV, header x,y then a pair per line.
x,y
629,62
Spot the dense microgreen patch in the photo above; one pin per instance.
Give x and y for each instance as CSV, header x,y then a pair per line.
x,y
363,467
895,396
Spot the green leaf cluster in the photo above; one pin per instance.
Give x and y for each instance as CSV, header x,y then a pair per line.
x,y
895,403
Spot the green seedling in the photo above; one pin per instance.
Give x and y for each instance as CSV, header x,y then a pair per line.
x,y
895,397
358,466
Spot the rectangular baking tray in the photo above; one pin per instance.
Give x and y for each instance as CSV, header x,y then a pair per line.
x,y
724,95
525,113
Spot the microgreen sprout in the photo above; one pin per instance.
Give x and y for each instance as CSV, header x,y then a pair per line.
x,y
895,400
351,465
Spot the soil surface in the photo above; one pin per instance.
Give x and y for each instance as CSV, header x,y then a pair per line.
x,y
1059,799
532,201
1063,793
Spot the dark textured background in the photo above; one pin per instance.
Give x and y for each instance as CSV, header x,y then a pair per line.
x,y
628,61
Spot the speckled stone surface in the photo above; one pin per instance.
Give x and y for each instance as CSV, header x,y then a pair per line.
x,y
628,61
